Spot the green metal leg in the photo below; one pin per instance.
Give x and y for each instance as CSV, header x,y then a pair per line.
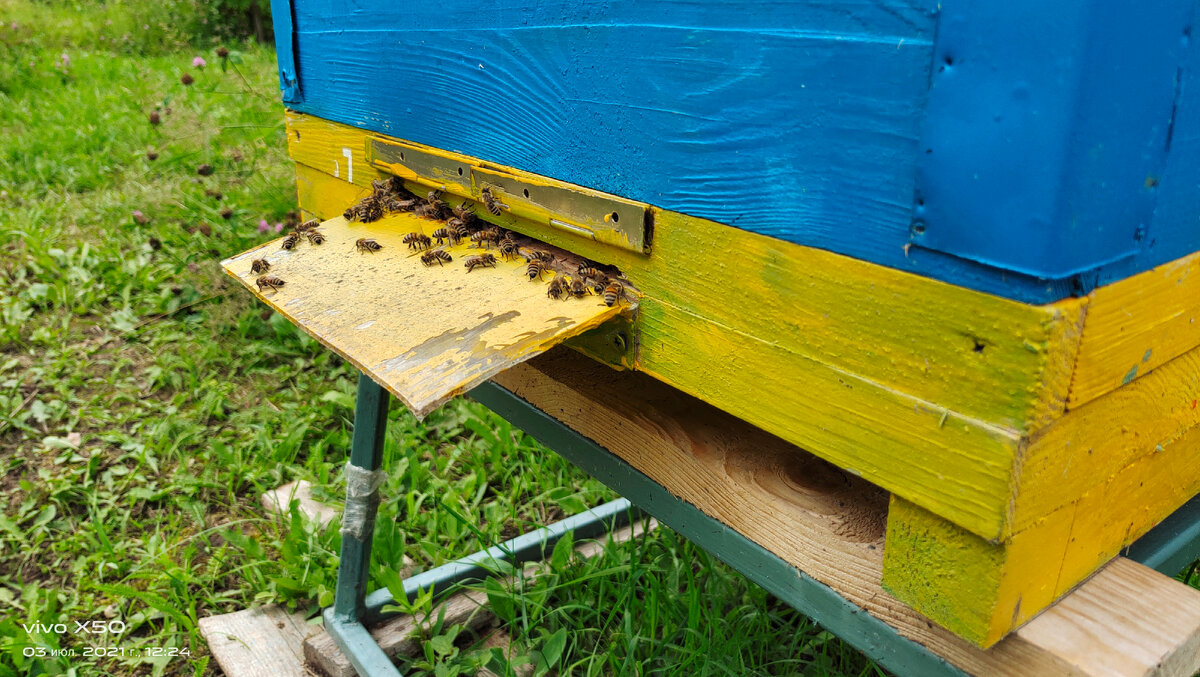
x,y
343,621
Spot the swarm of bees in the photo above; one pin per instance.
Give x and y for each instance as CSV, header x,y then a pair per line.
x,y
462,224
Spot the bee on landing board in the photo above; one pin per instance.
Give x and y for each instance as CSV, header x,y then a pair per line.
x,y
366,245
557,288
315,236
417,241
441,235
508,248
578,289
259,266
290,241
493,205
473,262
534,269
587,272
614,292
394,204
270,281
308,225
438,256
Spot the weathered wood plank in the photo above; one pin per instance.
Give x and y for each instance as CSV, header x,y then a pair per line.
x,y
260,642
829,524
277,501
420,347
1136,326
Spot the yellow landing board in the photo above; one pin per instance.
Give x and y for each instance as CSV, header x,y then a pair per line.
x,y
426,333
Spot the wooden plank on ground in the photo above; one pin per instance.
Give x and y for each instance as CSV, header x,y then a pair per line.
x,y
261,642
426,333
278,500
830,525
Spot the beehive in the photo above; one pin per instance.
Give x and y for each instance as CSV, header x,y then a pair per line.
x,y
951,250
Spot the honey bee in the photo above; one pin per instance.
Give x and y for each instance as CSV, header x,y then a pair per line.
x,y
436,255
436,207
614,292
367,245
473,262
508,248
464,212
493,205
290,241
394,204
268,281
308,225
441,235
411,239
259,266
315,236
588,272
351,213
483,237
578,288
370,210
535,268
557,288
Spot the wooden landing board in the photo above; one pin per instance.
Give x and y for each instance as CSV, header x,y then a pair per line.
x,y
830,525
426,333
261,642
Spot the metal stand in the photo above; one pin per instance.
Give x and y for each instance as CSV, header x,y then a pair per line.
x,y
353,610
1168,547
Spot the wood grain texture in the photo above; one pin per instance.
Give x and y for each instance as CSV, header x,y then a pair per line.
x,y
392,317
1137,326
830,524
260,642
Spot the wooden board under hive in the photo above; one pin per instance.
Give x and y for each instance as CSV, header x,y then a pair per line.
x,y
426,332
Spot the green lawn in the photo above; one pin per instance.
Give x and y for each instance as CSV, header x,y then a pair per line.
x,y
146,402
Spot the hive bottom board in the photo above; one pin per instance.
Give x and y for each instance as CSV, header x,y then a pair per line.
x,y
780,503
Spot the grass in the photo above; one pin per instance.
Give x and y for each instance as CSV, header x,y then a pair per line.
x,y
145,403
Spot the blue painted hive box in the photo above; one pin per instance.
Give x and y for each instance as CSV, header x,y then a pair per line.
x,y
952,248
